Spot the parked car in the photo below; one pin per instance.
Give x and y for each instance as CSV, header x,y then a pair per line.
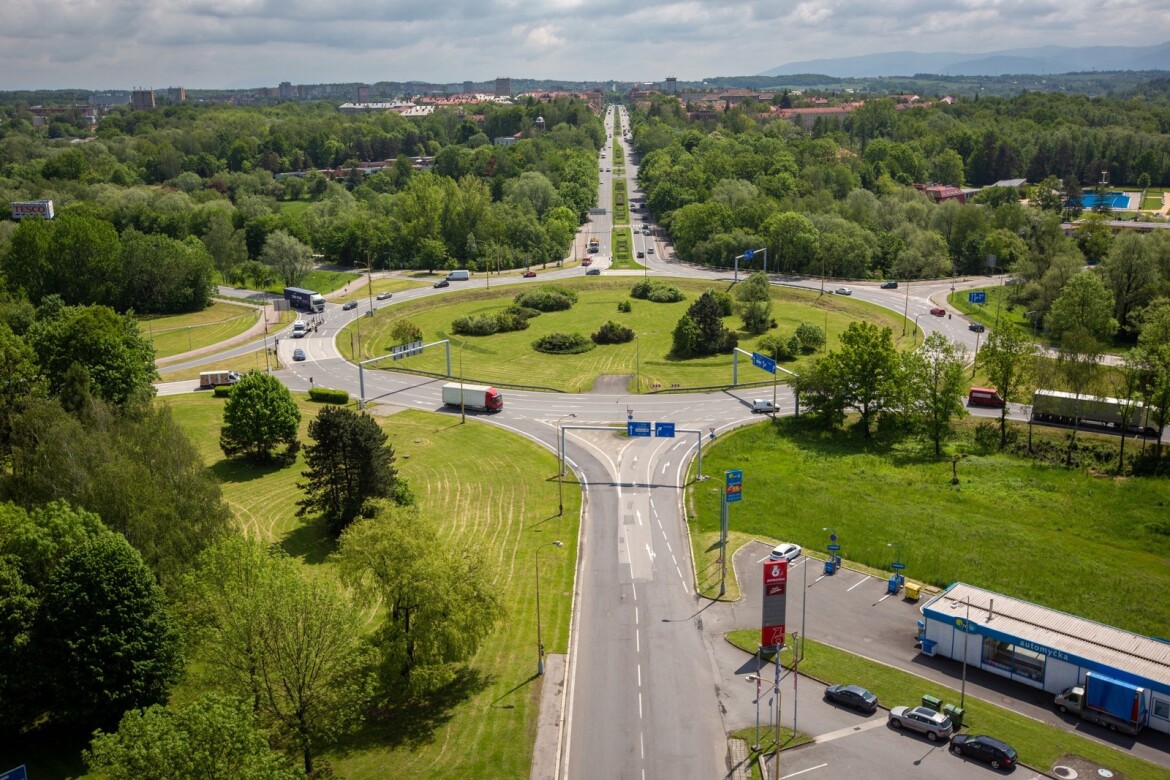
x,y
785,551
844,291
382,296
924,720
349,305
530,274
978,327
442,283
889,285
999,754
298,354
853,696
593,272
938,311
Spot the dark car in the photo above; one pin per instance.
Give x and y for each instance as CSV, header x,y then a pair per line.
x,y
349,305
442,283
852,696
529,274
999,754
641,254
298,354
978,327
889,285
938,311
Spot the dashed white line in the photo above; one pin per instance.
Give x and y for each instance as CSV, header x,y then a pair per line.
x,y
676,568
639,705
637,641
801,772
635,616
639,675
642,746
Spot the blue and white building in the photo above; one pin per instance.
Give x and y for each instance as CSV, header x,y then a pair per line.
x,y
1043,648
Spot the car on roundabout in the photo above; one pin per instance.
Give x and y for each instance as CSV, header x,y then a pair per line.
x,y
349,305
938,311
298,354
593,272
999,754
891,285
384,296
977,327
924,720
442,283
844,291
853,696
785,551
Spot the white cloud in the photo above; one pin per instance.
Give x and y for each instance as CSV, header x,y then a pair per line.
x,y
215,43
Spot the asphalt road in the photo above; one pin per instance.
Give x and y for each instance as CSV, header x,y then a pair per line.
x,y
649,690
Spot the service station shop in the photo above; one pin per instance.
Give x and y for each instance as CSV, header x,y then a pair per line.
x,y
1042,647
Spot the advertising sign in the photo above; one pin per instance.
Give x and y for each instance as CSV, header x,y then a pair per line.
x,y
41,209
733,480
772,622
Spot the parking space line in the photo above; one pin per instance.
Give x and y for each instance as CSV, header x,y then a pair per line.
x,y
883,598
832,735
863,579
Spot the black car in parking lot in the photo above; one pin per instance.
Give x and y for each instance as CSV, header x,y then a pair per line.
x,y
999,754
852,696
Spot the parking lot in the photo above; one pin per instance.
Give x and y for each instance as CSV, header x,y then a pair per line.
x,y
853,611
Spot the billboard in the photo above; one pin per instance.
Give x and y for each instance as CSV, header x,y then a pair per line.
x,y
772,622
42,209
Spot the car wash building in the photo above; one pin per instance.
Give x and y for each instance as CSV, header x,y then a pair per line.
x,y
1042,647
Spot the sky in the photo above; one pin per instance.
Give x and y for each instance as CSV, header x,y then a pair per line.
x,y
209,44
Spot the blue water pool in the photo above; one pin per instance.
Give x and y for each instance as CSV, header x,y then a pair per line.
x,y
1115,200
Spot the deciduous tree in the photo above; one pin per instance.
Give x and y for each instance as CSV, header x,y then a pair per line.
x,y
1007,359
259,416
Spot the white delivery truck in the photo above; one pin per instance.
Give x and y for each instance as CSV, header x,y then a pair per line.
x,y
210,379
459,276
481,397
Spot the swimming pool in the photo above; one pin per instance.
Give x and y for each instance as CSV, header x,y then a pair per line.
x,y
1115,200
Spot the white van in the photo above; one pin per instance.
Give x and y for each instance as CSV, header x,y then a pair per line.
x,y
209,379
763,406
458,276
300,329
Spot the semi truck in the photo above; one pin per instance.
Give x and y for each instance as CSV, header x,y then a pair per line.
x,y
210,379
481,397
305,300
1069,409
1117,705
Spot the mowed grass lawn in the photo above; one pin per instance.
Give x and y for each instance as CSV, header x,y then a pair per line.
x,y
318,281
490,492
178,333
1039,745
391,284
1092,546
508,358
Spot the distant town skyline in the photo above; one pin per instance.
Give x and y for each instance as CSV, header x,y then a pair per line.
x,y
217,44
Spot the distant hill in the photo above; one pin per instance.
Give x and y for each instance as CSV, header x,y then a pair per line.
x,y
1041,60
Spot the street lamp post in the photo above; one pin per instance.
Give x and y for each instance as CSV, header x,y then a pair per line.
x,y
906,310
975,355
539,641
462,400
561,470
916,316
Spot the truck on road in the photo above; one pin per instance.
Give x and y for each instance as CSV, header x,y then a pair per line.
x,y
481,397
1117,705
304,300
210,379
1069,409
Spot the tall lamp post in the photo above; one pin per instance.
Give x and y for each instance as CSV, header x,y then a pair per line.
x,y
561,470
539,641
916,316
462,400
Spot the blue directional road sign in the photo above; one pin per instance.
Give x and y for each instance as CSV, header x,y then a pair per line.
x,y
15,774
764,362
977,296
898,566
748,254
637,428
664,430
834,547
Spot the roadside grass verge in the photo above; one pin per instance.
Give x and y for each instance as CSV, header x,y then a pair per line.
x,y
392,284
508,357
1038,744
788,739
621,206
247,362
501,506
1007,515
318,281
178,333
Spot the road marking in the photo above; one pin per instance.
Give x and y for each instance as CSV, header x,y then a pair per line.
x,y
642,746
883,598
665,466
863,579
639,705
635,615
801,772
668,547
674,559
845,732
650,552
639,675
637,641
676,568
634,591
638,515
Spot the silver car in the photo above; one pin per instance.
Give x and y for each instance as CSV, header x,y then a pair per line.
x,y
933,724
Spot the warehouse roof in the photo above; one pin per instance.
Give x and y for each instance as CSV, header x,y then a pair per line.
x,y
1076,636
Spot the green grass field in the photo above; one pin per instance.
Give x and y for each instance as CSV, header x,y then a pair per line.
x,y
393,284
1038,745
621,206
503,507
623,257
1007,516
319,281
179,333
509,357
294,207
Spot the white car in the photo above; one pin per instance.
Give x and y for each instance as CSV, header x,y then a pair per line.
x,y
785,551
760,405
924,720
844,291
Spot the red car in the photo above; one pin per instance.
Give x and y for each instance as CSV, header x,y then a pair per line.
x,y
938,311
529,274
